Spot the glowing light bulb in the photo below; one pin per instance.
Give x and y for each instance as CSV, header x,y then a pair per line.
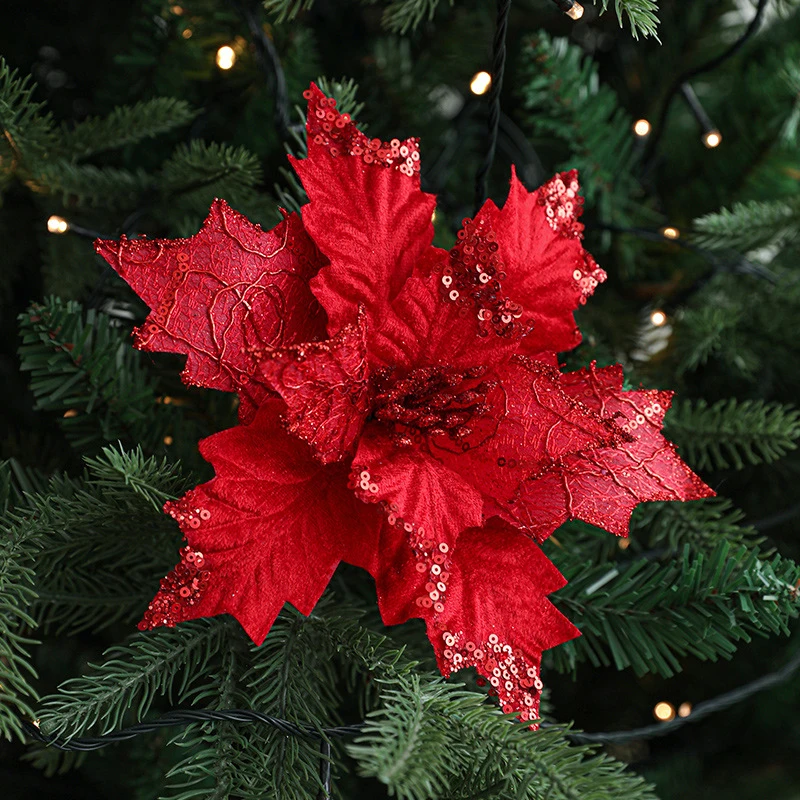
x,y
576,12
684,709
642,127
176,10
481,82
187,33
433,216
712,139
70,412
226,57
658,318
167,440
670,233
56,224
624,544
663,711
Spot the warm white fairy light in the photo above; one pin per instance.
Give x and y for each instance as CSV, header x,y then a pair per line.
x,y
642,127
670,232
684,709
226,57
658,318
664,711
56,224
481,82
712,139
576,12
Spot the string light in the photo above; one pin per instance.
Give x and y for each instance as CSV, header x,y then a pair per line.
x,y
56,224
712,139
176,10
167,440
624,544
481,82
670,232
187,33
433,216
642,128
70,413
571,8
226,57
658,318
684,709
664,711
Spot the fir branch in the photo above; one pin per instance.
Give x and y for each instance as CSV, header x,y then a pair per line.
x,y
28,129
747,226
642,15
83,368
19,548
166,661
198,172
126,125
701,524
86,185
647,615
732,433
566,102
400,16
710,330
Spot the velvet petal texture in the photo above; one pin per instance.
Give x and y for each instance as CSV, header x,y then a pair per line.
x,y
270,528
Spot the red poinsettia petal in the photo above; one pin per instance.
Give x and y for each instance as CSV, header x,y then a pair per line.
x,y
366,212
270,528
491,612
421,497
603,486
223,296
452,310
325,386
547,270
530,423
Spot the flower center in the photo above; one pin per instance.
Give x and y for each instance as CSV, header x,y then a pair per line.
x,y
432,401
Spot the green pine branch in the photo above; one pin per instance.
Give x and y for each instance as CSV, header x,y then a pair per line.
x,y
86,185
648,615
84,369
565,102
641,14
126,125
166,661
732,433
748,226
19,548
702,525
26,125
104,542
198,172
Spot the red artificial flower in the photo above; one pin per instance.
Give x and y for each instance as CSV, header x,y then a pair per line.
x,y
427,437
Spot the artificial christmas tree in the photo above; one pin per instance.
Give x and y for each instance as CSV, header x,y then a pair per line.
x,y
690,209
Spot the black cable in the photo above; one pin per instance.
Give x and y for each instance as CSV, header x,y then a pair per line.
x,y
754,25
700,711
270,63
498,69
187,716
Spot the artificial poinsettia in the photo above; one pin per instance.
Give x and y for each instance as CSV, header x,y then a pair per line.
x,y
426,434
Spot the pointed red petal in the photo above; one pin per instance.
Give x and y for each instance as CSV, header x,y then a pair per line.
x,y
602,487
548,272
366,213
224,295
270,528
530,423
486,607
325,386
419,495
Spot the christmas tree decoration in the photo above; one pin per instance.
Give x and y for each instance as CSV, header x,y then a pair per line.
x,y
425,433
